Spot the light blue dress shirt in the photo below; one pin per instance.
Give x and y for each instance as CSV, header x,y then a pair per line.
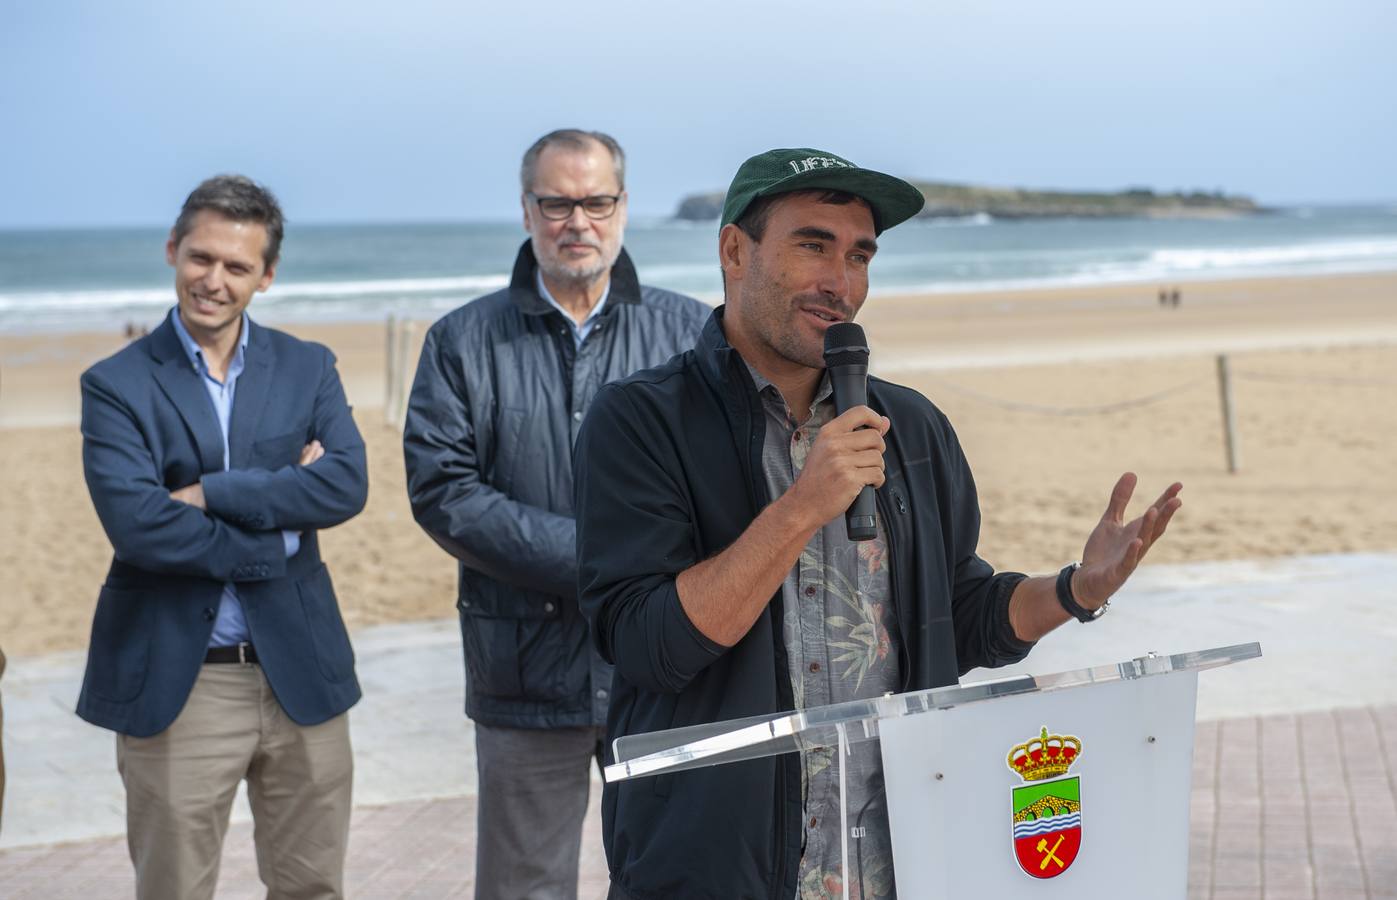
x,y
230,627
579,332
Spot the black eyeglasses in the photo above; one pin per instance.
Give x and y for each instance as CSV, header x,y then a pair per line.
x,y
600,206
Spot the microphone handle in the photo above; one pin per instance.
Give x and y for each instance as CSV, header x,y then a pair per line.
x,y
850,386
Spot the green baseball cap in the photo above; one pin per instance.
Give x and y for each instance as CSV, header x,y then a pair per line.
x,y
782,171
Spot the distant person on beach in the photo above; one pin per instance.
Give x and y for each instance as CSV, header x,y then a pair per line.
x,y
715,565
214,450
501,390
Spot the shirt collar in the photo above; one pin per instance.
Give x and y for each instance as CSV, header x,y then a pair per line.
x,y
196,353
824,392
544,293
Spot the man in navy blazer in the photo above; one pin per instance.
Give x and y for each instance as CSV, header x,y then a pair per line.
x,y
214,450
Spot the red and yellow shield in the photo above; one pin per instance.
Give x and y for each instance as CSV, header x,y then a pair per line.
x,y
1047,809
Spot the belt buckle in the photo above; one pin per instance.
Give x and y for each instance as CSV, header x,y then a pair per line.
x,y
242,652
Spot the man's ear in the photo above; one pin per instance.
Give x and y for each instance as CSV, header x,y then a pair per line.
x,y
733,251
171,248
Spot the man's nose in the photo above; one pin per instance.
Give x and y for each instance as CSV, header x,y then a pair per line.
x,y
214,277
578,220
834,279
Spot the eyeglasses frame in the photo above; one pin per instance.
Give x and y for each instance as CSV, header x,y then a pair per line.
x,y
614,198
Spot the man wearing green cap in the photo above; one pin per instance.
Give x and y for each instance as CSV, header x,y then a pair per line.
x,y
716,570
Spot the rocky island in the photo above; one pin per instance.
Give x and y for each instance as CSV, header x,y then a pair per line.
x,y
945,200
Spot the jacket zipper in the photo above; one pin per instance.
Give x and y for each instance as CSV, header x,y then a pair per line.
x,y
891,524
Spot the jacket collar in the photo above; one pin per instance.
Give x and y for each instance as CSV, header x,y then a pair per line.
x,y
721,365
180,380
728,373
625,285
165,343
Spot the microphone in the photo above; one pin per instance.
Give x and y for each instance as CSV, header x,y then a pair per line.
x,y
846,361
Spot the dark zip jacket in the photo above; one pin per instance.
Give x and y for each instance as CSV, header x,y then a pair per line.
x,y
669,474
500,393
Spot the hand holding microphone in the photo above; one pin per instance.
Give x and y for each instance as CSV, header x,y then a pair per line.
x,y
845,464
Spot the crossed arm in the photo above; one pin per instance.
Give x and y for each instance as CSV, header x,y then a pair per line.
x,y
191,531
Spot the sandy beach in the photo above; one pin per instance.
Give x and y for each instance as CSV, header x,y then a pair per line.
x,y
1053,393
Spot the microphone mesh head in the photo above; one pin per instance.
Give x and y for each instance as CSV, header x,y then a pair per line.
x,y
845,345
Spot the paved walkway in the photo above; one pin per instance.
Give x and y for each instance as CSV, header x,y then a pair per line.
x,y
1295,756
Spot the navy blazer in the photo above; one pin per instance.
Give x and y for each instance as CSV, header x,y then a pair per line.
x,y
148,428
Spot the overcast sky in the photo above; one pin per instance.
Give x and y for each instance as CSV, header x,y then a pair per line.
x,y
408,110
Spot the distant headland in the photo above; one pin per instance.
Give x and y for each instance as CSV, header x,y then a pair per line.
x,y
945,200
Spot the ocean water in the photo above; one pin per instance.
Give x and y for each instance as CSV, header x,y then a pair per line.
x,y
100,279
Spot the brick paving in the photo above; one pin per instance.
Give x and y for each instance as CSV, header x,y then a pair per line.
x,y
1295,807
424,850
1284,807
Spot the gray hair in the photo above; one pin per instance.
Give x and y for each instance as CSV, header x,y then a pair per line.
x,y
238,198
573,139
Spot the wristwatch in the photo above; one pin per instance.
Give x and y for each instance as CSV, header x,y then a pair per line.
x,y
1069,603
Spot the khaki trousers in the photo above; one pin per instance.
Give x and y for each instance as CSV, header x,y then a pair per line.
x,y
180,786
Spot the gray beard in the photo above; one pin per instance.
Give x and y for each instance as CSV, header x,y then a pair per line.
x,y
580,278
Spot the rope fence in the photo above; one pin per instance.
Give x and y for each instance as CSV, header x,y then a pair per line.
x,y
1332,380
401,333
1225,377
1095,410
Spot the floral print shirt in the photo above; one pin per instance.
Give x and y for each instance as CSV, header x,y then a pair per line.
x,y
841,644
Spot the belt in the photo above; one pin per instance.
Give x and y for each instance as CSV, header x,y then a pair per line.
x,y
242,653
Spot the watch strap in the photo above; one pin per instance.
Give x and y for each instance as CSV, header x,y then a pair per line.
x,y
1069,602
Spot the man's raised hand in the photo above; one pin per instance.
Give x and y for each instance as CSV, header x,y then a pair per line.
x,y
1115,547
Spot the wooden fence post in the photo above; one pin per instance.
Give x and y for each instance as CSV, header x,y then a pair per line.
x,y
406,333
390,367
1229,413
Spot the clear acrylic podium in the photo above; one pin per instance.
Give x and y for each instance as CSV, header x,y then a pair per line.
x,y
1068,785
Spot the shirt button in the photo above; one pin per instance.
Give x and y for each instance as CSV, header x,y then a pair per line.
x,y
810,591
601,694
812,821
577,416
548,607
814,667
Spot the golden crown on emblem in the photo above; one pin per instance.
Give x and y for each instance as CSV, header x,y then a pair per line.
x,y
1046,756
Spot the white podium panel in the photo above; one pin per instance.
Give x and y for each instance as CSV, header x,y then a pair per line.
x,y
1072,785
951,794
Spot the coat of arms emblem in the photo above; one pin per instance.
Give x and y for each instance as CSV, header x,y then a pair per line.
x,y
1048,807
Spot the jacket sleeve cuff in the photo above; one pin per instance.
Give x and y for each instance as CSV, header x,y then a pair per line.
x,y
1008,648
227,496
689,650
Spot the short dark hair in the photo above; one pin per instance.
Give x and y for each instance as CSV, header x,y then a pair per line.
x,y
575,139
754,218
241,199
